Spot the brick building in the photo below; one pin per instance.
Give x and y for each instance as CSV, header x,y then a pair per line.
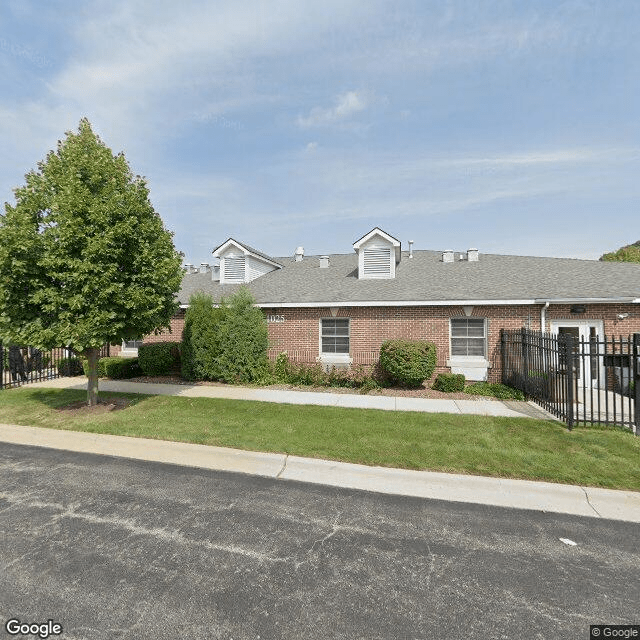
x,y
338,309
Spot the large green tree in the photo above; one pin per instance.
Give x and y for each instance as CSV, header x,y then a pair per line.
x,y
85,259
628,253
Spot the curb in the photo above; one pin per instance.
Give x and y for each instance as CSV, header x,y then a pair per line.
x,y
521,494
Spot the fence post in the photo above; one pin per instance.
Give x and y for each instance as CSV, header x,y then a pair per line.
x,y
502,355
570,360
1,365
525,359
635,368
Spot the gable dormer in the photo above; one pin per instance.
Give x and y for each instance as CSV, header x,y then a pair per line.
x,y
240,263
378,255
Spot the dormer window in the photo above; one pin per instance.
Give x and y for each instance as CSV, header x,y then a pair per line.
x,y
240,263
378,255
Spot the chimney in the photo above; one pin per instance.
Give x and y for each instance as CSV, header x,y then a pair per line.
x,y
324,262
447,255
472,255
411,248
204,267
187,267
299,254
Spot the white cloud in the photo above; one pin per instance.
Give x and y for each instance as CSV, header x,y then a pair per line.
x,y
347,104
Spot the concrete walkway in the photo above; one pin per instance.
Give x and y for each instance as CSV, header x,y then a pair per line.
x,y
481,407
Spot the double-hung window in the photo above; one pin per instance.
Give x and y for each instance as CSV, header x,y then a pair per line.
x,y
334,335
468,337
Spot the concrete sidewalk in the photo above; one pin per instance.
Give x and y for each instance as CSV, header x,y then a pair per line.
x,y
520,494
481,407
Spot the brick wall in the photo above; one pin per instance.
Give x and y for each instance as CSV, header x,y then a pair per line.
x,y
299,333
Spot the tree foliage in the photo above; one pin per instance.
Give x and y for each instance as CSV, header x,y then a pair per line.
x,y
628,253
84,257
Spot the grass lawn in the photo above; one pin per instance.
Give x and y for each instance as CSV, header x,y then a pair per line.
x,y
481,445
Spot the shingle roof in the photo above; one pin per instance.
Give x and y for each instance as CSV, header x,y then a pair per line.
x,y
425,278
250,250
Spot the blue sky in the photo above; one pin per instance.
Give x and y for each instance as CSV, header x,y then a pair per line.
x,y
513,127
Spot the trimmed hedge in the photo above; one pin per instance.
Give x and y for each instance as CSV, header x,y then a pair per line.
x,y
70,367
408,362
159,358
115,367
449,382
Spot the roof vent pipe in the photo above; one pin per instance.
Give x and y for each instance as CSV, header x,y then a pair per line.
x,y
324,262
299,254
447,255
472,255
411,248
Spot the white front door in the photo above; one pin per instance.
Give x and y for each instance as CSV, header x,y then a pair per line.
x,y
587,334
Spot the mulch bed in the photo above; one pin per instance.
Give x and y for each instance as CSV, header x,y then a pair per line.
x,y
105,404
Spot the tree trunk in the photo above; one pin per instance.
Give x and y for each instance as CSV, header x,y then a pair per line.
x,y
92,387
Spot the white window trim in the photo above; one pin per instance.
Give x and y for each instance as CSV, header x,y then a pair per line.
x,y
471,361
338,358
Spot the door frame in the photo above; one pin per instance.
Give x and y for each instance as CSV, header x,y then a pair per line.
x,y
583,326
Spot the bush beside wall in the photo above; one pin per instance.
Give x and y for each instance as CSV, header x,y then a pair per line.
x,y
408,362
159,358
449,382
228,342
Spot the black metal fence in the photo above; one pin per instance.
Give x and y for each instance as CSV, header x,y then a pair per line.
x,y
580,381
22,365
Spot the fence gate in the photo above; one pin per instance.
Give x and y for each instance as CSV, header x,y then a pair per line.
x,y
580,379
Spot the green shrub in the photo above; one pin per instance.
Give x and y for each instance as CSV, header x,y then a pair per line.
x,y
495,390
449,382
408,362
228,342
70,367
119,367
159,358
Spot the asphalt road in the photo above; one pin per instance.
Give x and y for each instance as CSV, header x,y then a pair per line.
x,y
111,548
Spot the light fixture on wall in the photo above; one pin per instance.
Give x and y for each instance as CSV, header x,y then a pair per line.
x,y
623,316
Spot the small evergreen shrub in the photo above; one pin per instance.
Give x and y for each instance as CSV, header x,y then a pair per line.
x,y
495,390
408,362
119,368
449,382
70,367
159,358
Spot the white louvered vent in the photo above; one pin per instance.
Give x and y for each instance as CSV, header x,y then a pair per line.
x,y
234,268
377,263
